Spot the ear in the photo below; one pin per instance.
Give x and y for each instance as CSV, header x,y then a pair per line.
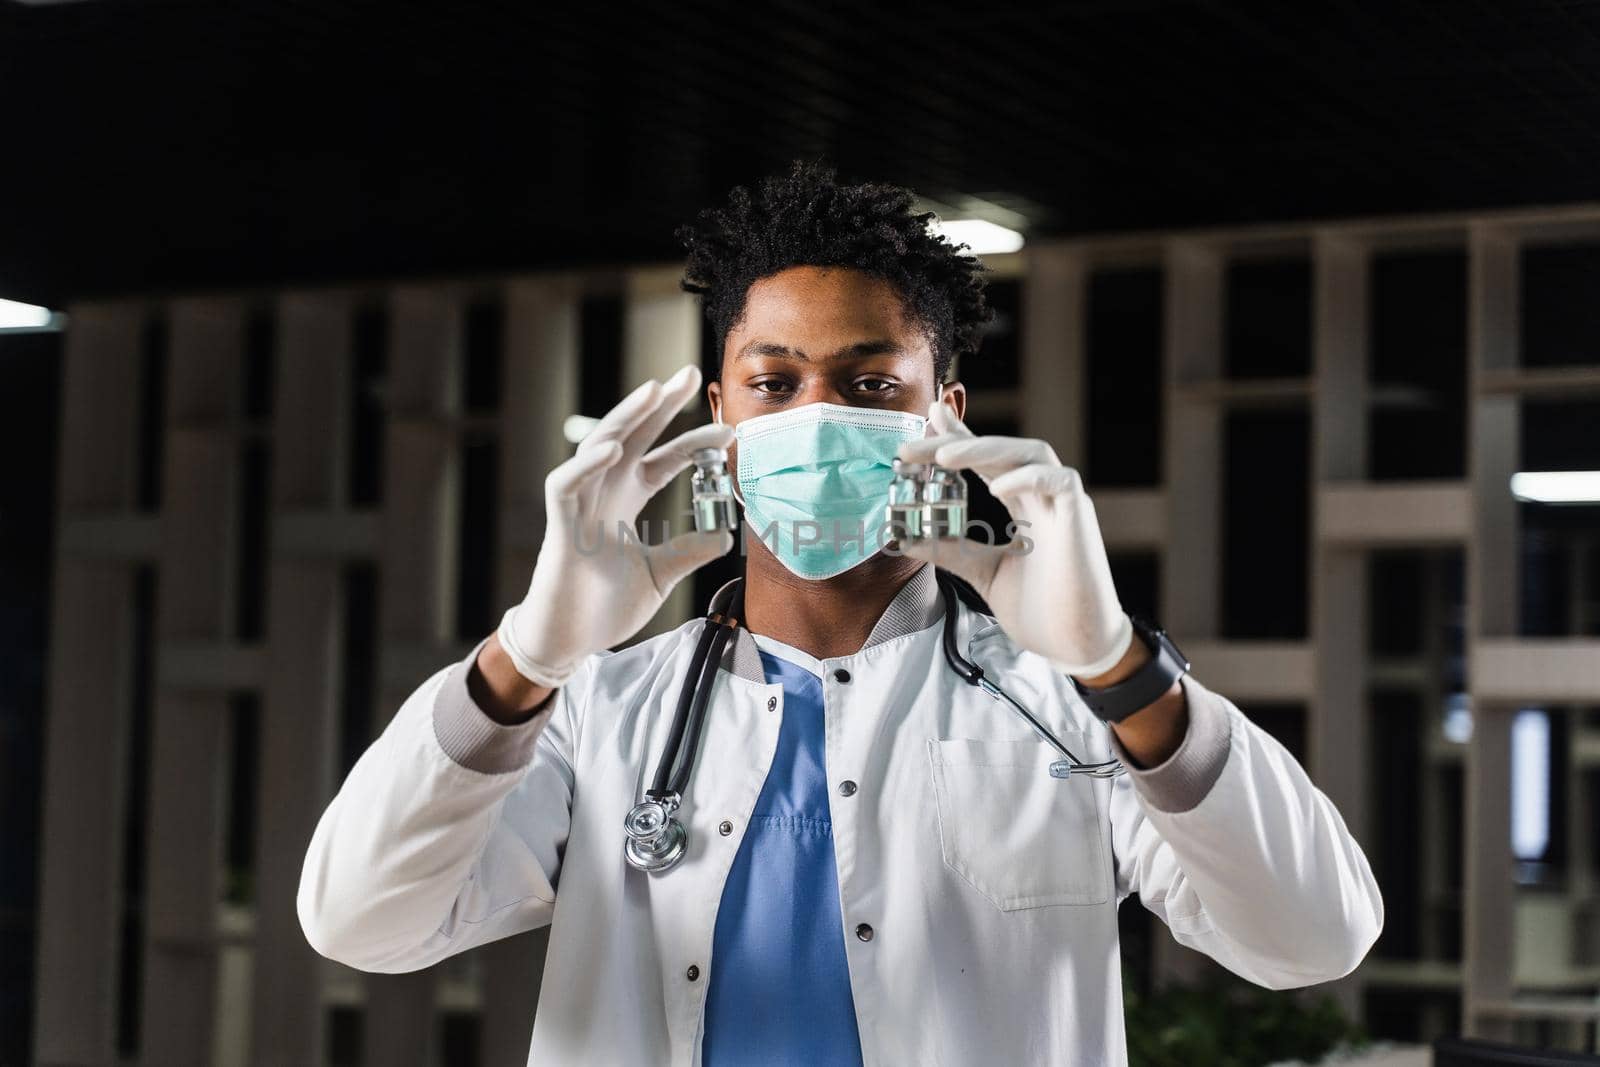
x,y
955,398
714,396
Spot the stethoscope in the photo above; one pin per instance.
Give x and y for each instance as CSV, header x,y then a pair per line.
x,y
656,837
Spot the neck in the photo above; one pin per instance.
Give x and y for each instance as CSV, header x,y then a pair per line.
x,y
831,617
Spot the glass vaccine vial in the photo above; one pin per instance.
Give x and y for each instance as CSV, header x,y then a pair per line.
x,y
905,515
944,498
711,487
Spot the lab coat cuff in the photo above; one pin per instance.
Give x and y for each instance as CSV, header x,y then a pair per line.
x,y
470,737
1182,780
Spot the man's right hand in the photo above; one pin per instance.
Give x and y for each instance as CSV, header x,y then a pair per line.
x,y
593,588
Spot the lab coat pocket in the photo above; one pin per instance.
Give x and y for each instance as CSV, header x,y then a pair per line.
x,y
1018,836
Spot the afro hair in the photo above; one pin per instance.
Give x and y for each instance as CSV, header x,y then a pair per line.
x,y
808,218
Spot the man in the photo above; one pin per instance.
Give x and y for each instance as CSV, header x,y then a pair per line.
x,y
882,864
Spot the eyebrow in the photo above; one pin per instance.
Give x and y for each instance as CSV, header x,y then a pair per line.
x,y
859,350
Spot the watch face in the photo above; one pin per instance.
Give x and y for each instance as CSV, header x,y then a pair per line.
x,y
1155,636
1146,628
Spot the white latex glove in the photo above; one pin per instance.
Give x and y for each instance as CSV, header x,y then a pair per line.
x,y
1056,597
589,595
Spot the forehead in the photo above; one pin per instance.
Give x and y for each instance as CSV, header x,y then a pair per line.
x,y
822,302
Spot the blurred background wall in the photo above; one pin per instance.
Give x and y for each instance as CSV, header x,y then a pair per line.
x,y
1299,292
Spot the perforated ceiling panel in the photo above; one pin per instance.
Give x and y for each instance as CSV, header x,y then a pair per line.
x,y
178,145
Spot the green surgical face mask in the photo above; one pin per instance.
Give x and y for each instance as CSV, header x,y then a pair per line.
x,y
814,482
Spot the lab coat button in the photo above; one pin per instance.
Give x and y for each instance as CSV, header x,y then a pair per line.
x,y
847,788
693,973
841,675
772,703
864,932
725,828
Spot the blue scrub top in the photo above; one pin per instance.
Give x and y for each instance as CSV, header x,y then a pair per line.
x,y
779,989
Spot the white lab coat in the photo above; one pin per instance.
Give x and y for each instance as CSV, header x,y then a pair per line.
x,y
990,887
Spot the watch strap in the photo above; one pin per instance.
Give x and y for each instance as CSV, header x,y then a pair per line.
x,y
1142,688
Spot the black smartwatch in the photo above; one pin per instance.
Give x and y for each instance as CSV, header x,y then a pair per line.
x,y
1140,689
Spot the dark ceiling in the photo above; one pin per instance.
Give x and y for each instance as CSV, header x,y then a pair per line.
x,y
156,146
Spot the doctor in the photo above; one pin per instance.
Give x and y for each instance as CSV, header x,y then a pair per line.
x,y
880,867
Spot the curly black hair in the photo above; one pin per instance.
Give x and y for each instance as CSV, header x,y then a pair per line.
x,y
807,218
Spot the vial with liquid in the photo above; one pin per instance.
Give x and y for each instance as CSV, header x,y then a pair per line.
x,y
905,515
711,488
944,500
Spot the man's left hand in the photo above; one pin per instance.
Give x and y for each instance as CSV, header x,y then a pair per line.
x,y
1051,586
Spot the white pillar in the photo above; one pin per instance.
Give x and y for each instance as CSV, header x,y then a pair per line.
x,y
300,707
89,699
1054,372
1191,557
540,389
1494,444
421,501
1338,713
661,332
1192,459
188,750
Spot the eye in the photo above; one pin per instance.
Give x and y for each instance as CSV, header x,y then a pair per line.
x,y
771,386
875,386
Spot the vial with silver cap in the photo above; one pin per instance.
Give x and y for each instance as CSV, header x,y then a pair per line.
x,y
711,487
904,514
944,498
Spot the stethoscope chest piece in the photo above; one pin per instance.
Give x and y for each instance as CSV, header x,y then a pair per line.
x,y
656,839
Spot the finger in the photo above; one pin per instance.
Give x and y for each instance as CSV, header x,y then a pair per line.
x,y
946,428
921,450
664,462
676,391
563,489
991,456
616,424
972,560
671,562
1045,479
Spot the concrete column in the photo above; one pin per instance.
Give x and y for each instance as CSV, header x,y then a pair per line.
x,y
1054,351
1493,447
1192,461
1435,816
1583,829
89,694
661,332
300,708
1338,712
188,752
540,389
421,498
1191,561
1494,428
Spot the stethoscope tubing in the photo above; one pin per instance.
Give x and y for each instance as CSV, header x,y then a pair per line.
x,y
721,622
974,675
680,718
662,847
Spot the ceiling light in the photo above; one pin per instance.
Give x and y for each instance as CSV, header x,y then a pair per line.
x,y
1557,487
1530,784
19,316
984,237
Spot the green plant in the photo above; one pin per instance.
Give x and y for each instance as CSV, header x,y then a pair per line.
x,y
1232,1023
